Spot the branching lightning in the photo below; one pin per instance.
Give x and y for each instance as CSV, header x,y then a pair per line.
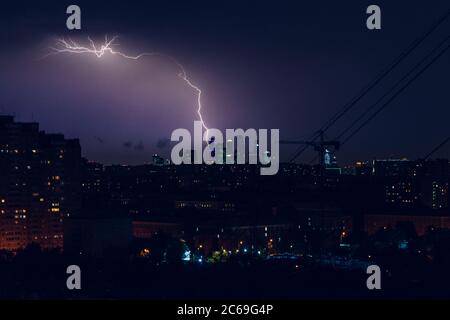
x,y
70,46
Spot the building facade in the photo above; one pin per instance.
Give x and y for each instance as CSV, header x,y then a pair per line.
x,y
39,185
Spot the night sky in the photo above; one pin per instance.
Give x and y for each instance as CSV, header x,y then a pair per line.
x,y
261,64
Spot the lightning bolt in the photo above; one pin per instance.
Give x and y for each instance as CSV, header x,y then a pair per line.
x,y
70,46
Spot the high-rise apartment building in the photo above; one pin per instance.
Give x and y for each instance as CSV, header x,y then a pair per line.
x,y
39,185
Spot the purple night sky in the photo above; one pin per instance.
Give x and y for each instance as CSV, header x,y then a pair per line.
x,y
284,67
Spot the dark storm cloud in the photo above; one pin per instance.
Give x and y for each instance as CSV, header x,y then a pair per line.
x,y
139,146
99,140
162,143
127,144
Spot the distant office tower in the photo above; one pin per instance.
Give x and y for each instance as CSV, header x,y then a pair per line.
x,y
395,167
39,185
401,181
434,183
423,183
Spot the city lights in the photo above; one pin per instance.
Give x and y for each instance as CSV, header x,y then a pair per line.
x,y
114,186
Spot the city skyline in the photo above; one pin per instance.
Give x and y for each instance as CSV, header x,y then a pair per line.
x,y
240,79
223,153
311,221
151,156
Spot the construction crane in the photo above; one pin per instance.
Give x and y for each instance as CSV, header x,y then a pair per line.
x,y
320,146
350,105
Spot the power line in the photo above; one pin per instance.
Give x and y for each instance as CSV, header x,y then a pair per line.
x,y
416,66
396,94
373,83
437,148
396,62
